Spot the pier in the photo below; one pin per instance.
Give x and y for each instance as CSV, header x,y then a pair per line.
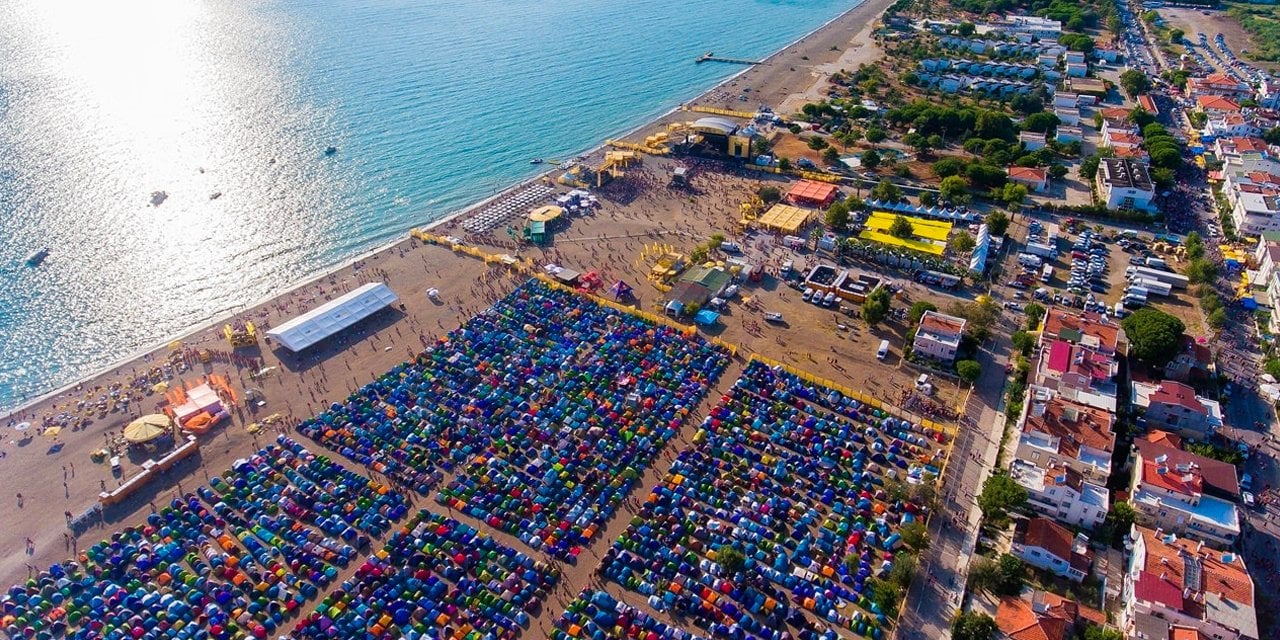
x,y
712,57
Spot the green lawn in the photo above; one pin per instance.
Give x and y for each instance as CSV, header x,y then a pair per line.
x,y
1262,21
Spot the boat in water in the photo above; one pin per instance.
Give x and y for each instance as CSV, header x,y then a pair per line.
x,y
330,151
537,161
38,257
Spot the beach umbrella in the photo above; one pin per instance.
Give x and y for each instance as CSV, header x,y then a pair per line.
x,y
52,432
22,426
147,428
160,387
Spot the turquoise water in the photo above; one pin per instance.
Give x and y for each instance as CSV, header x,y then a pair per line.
x,y
432,105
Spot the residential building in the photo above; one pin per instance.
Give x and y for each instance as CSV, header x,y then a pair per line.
x,y
1034,27
1231,125
1220,478
1066,99
1033,178
1136,154
1067,115
1256,213
1174,582
1218,84
1173,406
1148,104
1078,373
938,336
1040,615
1031,140
1062,494
1234,146
1074,56
1045,544
1171,496
1077,69
1107,54
1216,106
1194,362
1121,140
1089,329
1124,183
1266,255
1056,431
1068,133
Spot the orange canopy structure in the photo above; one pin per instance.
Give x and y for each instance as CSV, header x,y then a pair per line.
x,y
810,193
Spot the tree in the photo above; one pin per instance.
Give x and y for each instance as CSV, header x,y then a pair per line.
x,y
928,198
1023,342
876,134
1013,193
1076,42
1095,632
966,29
1175,36
969,370
1001,494
731,559
1057,171
1218,319
784,164
1272,367
1035,313
1027,104
876,307
954,189
1135,82
1272,136
1201,270
901,227
838,216
1089,167
769,195
935,141
950,166
831,156
1042,122
1155,337
817,143
870,159
1119,520
918,309
997,223
973,626
962,242
887,191
715,241
915,535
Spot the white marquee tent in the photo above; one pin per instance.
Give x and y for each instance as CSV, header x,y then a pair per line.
x,y
333,316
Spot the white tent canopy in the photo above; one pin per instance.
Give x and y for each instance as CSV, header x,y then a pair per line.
x,y
333,316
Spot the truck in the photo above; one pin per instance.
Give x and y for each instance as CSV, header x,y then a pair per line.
x,y
883,351
1156,263
1042,250
1046,274
1175,280
1030,260
1153,287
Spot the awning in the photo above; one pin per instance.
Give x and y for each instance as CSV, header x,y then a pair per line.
x,y
147,428
546,214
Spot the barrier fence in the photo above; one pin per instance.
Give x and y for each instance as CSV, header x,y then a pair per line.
x,y
527,268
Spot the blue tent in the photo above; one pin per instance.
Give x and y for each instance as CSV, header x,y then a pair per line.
x,y
706,317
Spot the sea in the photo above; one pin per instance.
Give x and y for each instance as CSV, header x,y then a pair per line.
x,y
173,154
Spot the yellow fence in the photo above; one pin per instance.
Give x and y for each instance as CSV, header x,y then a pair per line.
x,y
623,144
856,395
808,175
528,268
746,115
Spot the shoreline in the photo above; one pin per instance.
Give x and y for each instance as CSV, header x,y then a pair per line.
x,y
328,271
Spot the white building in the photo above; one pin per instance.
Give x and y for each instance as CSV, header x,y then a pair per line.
x,y
1062,494
1056,431
1047,545
1035,27
1068,133
1031,141
939,336
1125,184
1256,213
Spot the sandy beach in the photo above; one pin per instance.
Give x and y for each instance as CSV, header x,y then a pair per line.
x,y
636,212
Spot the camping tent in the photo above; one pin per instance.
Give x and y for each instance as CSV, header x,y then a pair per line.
x,y
333,316
706,317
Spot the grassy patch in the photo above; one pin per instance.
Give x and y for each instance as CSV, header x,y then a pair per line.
x,y
1262,22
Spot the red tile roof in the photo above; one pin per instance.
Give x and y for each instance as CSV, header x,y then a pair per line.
x,y
1175,393
1217,103
1054,538
1187,482
941,323
812,190
1017,620
1075,425
1216,475
1071,327
1060,356
1032,174
1156,436
1221,572
1070,609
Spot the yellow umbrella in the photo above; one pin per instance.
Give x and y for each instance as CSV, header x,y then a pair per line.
x,y
147,428
52,432
160,387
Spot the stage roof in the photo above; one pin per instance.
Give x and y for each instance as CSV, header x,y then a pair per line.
x,y
785,218
722,126
333,316
812,190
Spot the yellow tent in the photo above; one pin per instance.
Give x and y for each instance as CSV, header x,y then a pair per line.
x,y
546,214
147,428
785,218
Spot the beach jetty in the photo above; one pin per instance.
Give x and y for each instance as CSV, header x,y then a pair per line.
x,y
712,57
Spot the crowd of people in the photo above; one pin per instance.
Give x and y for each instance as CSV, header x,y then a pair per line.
x,y
791,477
547,405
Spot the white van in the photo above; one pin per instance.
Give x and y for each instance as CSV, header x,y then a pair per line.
x,y
883,351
